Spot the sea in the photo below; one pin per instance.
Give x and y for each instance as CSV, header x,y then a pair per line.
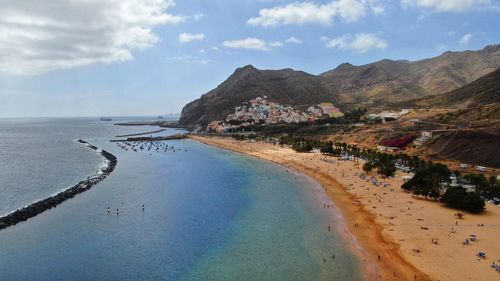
x,y
209,214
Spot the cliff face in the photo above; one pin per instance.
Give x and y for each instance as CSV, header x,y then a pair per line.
x,y
285,86
373,85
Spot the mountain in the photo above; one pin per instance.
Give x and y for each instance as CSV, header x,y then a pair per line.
x,y
374,85
473,147
485,90
285,86
390,81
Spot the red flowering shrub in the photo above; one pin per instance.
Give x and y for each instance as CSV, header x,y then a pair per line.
x,y
401,142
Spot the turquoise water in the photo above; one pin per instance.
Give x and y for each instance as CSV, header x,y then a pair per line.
x,y
209,214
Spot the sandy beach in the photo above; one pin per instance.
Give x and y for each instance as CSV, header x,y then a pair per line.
x,y
408,238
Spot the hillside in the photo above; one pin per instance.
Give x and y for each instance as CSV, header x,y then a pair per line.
x,y
390,81
474,147
485,90
376,85
284,86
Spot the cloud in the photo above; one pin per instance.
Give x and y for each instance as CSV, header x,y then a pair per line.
x,y
313,13
276,44
248,43
189,37
198,16
376,7
465,39
41,36
258,44
187,58
451,5
293,40
361,43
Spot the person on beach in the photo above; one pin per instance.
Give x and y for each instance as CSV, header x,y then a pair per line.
x,y
143,207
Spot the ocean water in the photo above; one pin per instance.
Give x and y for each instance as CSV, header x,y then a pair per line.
x,y
209,214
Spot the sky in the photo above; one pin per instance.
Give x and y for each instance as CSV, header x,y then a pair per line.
x,y
151,57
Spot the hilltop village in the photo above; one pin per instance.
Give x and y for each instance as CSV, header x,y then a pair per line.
x,y
263,111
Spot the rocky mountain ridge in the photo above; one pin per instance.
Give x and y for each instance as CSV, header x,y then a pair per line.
x,y
372,85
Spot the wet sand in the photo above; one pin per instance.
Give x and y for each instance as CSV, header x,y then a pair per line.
x,y
390,223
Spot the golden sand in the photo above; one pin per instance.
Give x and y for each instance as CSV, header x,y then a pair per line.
x,y
408,238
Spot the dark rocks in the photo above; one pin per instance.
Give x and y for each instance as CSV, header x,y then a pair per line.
x,y
51,202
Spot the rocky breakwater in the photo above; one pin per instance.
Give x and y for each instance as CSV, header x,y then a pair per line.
x,y
41,206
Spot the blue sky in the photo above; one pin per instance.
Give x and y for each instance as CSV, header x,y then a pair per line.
x,y
131,57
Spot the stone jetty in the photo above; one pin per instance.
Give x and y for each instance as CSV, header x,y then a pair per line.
x,y
41,206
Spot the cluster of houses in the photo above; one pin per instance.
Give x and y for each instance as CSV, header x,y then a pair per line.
x,y
385,116
423,138
262,111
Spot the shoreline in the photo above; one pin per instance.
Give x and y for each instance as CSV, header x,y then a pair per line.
x,y
50,202
391,265
367,263
413,236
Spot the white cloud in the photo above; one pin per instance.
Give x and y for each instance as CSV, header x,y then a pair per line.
x,y
41,36
258,44
310,12
189,37
465,39
293,40
451,5
248,43
361,43
187,58
276,44
376,7
198,16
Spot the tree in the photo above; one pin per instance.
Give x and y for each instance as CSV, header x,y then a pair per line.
x,y
386,168
493,180
302,146
479,180
326,147
367,167
427,181
457,197
487,188
454,196
473,203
